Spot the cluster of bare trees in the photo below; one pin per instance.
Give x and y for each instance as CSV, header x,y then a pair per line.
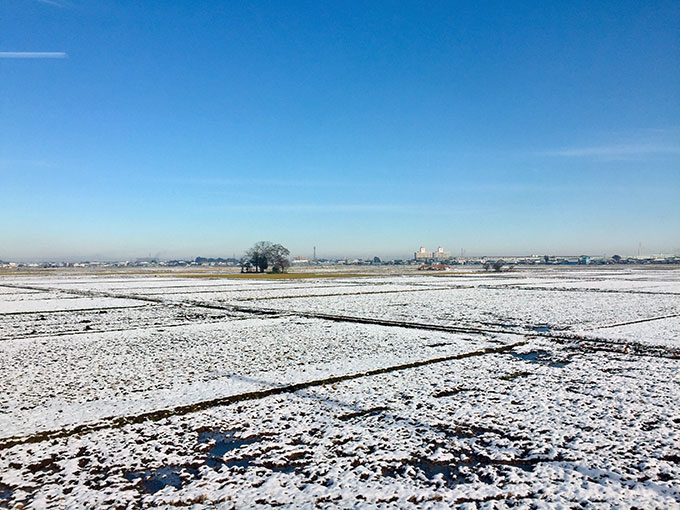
x,y
496,266
263,255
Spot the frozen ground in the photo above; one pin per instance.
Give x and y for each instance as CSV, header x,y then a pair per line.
x,y
541,388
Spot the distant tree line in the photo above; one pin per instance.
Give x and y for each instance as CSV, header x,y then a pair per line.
x,y
210,260
264,255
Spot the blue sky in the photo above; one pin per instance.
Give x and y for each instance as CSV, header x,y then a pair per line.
x,y
179,129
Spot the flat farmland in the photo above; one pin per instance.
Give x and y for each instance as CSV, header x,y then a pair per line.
x,y
533,388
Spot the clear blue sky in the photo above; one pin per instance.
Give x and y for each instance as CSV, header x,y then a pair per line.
x,y
179,129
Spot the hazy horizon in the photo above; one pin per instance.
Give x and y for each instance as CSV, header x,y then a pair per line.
x,y
163,256
180,130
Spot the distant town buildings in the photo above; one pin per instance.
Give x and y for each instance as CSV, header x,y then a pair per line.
x,y
432,260
423,256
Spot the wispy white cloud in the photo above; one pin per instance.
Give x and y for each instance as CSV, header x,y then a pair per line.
x,y
390,209
315,208
624,145
24,163
55,3
297,183
619,151
33,54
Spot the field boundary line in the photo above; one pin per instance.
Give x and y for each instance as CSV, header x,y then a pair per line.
x,y
594,342
120,421
518,286
351,293
119,330
672,316
73,310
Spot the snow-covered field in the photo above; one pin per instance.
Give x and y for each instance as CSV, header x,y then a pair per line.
x,y
538,388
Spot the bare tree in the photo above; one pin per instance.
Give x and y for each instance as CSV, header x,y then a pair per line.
x,y
257,255
280,259
264,254
246,265
279,256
